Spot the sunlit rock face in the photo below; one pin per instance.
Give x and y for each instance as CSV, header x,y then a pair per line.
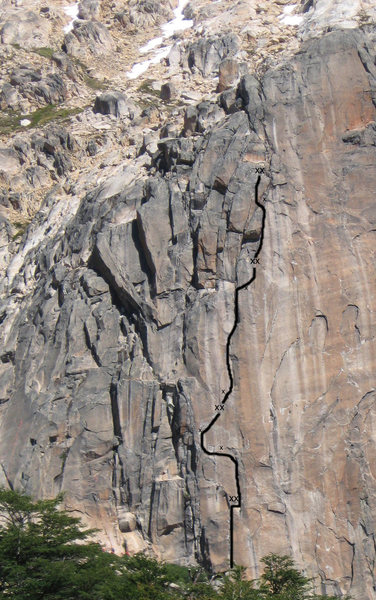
x,y
115,330
306,341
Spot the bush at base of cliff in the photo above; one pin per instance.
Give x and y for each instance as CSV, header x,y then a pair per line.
x,y
45,553
280,581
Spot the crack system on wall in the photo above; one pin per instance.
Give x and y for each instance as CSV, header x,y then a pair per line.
x,y
236,500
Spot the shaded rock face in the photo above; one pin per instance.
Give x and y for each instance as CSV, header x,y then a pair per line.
x,y
114,333
207,54
115,103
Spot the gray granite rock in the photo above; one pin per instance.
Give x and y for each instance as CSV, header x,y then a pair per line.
x,y
88,38
207,54
116,103
114,331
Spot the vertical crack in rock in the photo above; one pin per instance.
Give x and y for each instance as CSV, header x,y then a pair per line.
x,y
236,500
118,440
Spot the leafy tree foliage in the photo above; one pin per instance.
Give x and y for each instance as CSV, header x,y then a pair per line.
x,y
237,587
46,554
281,580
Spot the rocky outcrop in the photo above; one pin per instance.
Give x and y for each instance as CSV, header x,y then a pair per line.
x,y
207,54
30,84
117,104
88,9
88,38
146,13
141,285
25,28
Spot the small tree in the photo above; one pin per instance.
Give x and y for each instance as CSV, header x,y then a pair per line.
x,y
45,553
237,587
281,577
282,581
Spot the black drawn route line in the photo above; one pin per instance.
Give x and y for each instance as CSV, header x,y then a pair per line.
x,y
236,500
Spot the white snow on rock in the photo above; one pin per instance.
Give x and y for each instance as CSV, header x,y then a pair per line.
x,y
140,68
179,23
151,45
292,19
71,11
289,19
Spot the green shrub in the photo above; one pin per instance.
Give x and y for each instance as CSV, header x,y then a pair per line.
x,y
45,52
45,553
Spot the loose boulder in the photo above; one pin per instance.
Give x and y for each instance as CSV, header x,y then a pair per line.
x,y
168,92
117,104
127,522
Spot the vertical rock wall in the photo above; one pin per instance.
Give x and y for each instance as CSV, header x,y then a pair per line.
x,y
306,342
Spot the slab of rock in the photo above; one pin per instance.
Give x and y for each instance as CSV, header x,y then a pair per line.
x,y
9,161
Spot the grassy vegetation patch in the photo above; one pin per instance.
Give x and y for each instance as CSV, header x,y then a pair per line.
x,y
146,88
50,113
20,227
45,52
92,82
11,122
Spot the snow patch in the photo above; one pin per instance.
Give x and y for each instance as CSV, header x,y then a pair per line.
x,y
287,18
151,45
179,23
71,11
140,68
292,20
289,9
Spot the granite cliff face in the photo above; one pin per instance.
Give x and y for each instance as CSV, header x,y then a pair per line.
x,y
119,300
